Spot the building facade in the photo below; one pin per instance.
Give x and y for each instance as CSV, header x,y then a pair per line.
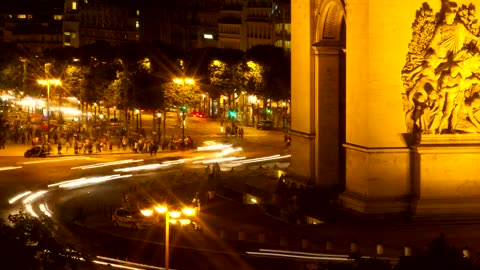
x,y
35,25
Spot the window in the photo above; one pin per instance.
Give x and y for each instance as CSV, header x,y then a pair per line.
x,y
21,16
74,5
207,36
137,24
57,17
74,35
138,12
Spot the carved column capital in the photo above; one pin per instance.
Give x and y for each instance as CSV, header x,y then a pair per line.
x,y
328,47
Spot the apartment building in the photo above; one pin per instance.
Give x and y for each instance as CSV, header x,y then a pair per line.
x,y
89,21
36,25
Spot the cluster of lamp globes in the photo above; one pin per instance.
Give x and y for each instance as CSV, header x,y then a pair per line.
x,y
174,215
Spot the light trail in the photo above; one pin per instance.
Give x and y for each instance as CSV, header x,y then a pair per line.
x,y
304,253
145,266
34,196
217,160
214,147
66,182
113,163
55,160
29,209
293,256
19,196
140,168
9,168
230,150
93,180
269,158
45,210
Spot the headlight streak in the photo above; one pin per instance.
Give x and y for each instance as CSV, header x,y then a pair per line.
x,y
214,147
113,163
18,197
230,150
94,180
216,160
143,167
45,210
65,182
303,253
34,196
9,168
29,209
55,160
300,256
127,263
269,158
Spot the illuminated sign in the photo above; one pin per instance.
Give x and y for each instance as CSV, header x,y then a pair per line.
x,y
207,36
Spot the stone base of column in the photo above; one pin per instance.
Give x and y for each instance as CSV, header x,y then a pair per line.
x,y
375,207
446,177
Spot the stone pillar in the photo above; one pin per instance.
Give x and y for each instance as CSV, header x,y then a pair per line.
x,y
303,93
329,99
378,169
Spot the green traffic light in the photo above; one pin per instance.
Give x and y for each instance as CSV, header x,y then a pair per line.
x,y
184,108
232,114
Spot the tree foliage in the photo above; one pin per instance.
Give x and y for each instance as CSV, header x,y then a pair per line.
x,y
274,70
33,243
176,95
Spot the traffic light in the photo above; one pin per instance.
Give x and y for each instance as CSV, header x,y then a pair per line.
x,y
232,114
183,108
269,111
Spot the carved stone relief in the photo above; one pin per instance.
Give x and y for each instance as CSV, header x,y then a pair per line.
x,y
441,76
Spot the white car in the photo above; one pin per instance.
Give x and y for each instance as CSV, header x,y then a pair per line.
x,y
131,218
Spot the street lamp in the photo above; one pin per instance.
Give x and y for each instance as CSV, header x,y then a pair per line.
x,y
137,111
48,83
159,117
171,216
183,82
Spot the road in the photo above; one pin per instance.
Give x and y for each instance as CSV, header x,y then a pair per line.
x,y
36,174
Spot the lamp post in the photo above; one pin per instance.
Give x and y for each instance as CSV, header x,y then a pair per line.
x,y
159,117
136,114
48,83
183,82
177,216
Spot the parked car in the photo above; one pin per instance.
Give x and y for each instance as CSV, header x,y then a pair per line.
x,y
265,124
36,151
197,114
115,122
131,218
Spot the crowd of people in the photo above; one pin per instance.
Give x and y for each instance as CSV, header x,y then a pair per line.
x,y
291,198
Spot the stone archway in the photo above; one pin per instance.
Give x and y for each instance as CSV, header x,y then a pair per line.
x,y
318,97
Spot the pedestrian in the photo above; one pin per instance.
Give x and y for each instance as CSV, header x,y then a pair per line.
x,y
208,171
67,146
59,148
216,170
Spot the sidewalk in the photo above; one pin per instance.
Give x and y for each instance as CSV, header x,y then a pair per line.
x,y
18,150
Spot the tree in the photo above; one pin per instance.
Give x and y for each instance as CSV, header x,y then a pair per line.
x,y
176,95
33,243
11,67
226,72
274,70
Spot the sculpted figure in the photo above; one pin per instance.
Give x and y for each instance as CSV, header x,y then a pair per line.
x,y
435,86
